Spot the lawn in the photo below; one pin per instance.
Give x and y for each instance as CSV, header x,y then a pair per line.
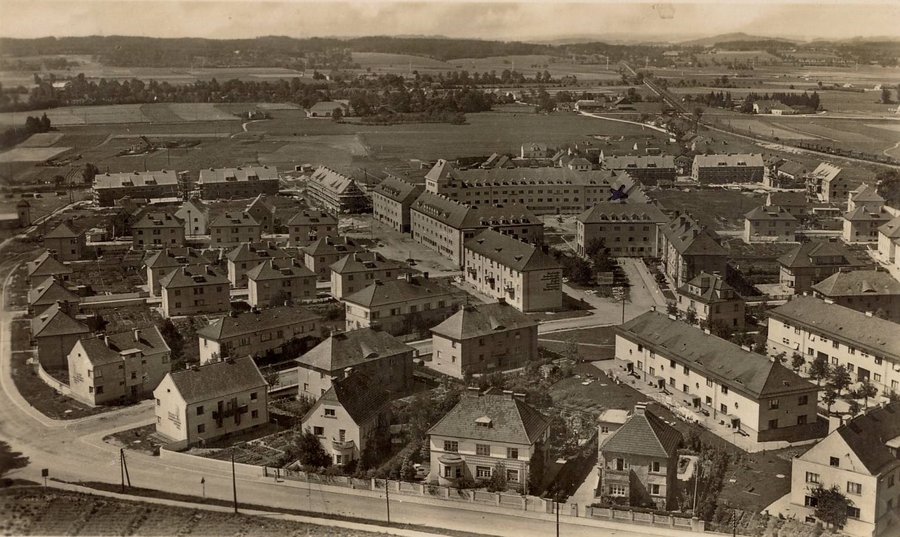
x,y
137,439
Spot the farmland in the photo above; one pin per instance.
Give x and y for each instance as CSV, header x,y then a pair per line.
x,y
127,113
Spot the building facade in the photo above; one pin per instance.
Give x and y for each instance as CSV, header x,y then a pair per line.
x,y
335,192
278,282
326,251
648,169
873,291
687,249
259,333
355,271
235,183
713,301
812,262
109,187
626,229
391,201
233,228
396,305
194,291
769,224
310,225
728,168
157,229
65,243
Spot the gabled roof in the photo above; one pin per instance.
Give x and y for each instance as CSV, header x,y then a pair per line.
x,y
858,283
787,199
891,229
218,379
250,322
191,277
233,218
712,287
483,319
817,253
398,190
276,269
335,182
794,168
364,261
176,257
609,212
867,435
866,193
644,434
158,219
742,371
640,162
505,419
313,217
47,265
510,252
688,237
102,350
63,231
135,179
397,291
770,213
749,160
56,322
349,349
331,246
239,174
262,202
256,251
362,398
49,291
861,214
461,216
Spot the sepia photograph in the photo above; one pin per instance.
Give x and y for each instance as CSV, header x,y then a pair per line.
x,y
450,268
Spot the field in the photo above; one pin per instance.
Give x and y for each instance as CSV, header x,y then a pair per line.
x,y
126,113
31,154
715,208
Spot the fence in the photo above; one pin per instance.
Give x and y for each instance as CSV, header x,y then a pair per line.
x,y
645,517
54,383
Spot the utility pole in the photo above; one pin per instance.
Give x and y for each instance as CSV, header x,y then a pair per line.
x,y
556,504
203,486
387,498
233,483
623,305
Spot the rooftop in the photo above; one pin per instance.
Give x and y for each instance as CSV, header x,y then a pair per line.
x,y
818,254
107,349
607,212
218,380
233,218
238,175
279,269
193,276
398,291
54,321
364,261
250,322
729,160
358,395
644,434
483,319
770,213
135,179
494,418
349,349
868,434
398,190
510,252
858,283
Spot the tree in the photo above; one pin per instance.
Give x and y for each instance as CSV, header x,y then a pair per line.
x,y
780,357
536,472
831,505
839,379
594,246
829,397
797,362
866,390
886,95
337,115
671,308
497,482
308,450
691,316
407,470
173,339
854,408
819,369
89,172
698,114
720,328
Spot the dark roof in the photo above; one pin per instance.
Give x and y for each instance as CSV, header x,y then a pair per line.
x,y
858,283
483,319
191,277
249,322
688,237
47,265
712,287
49,291
860,214
313,217
394,291
794,168
626,162
461,216
101,350
743,371
55,322
233,218
218,379
332,245
770,212
891,229
608,212
398,190
176,257
866,193
257,251
349,349
365,261
644,434
63,231
510,251
731,160
240,174
510,420
158,219
276,269
868,433
787,199
362,398
814,254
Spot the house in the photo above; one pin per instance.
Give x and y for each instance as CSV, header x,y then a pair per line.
x,y
126,366
522,274
262,209
795,203
812,262
648,169
889,242
109,187
45,266
687,249
241,182
399,306
193,291
769,224
865,215
589,105
860,459
49,292
158,264
833,184
326,251
444,225
638,459
359,269
791,171
210,402
713,301
483,339
310,225
232,228
348,417
65,243
626,229
774,108
485,433
259,333
275,282
335,192
705,373
728,168
536,150
869,347
863,290
157,229
54,333
392,200
325,109
385,360
248,255
195,215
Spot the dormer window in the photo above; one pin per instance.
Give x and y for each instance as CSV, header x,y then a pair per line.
x,y
483,421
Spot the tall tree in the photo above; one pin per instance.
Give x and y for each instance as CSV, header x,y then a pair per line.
x,y
829,397
819,369
866,390
839,378
831,505
797,362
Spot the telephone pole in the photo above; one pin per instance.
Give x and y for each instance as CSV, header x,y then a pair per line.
x,y
387,498
234,483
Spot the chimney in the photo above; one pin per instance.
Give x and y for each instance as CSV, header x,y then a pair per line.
x,y
348,371
137,335
519,396
501,300
425,275
640,409
652,308
869,314
408,277
106,340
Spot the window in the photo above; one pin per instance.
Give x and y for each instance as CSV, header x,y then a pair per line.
x,y
620,464
773,424
854,488
319,431
802,400
723,408
513,453
617,490
812,477
852,512
451,446
512,476
330,413
809,501
654,466
604,429
801,420
724,389
254,414
654,489
483,449
253,396
482,472
201,428
834,461
199,409
773,404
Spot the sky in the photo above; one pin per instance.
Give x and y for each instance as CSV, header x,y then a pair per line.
x,y
504,20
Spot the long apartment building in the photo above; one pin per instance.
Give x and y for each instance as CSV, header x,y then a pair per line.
x,y
868,346
109,187
708,374
627,229
729,168
543,190
444,225
391,201
648,169
335,192
259,333
241,182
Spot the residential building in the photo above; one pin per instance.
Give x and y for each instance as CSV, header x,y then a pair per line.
x,y
541,190
335,192
45,266
325,109
49,292
193,291
874,291
889,242
157,229
241,182
326,251
348,416
392,200
867,346
160,263
310,225
795,203
713,301
109,187
233,228
860,459
398,305
484,432
627,229
209,402
648,169
812,262
275,282
248,255
262,209
865,215
638,460
115,368
54,332
259,333
748,391
65,243
483,339
833,184
444,225
383,359
360,269
687,249
522,274
728,168
774,108
195,215
536,150
769,224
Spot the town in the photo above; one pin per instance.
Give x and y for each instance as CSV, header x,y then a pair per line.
x,y
593,294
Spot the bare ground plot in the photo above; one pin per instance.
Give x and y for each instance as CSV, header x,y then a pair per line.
x,y
42,139
861,135
715,208
31,154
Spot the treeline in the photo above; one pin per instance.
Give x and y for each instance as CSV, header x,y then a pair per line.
x,y
417,101
16,135
714,99
805,100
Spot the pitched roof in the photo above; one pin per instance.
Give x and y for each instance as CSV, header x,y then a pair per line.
x,y
47,265
333,181
396,291
644,434
742,371
312,217
158,219
688,237
461,216
504,418
861,214
770,213
787,199
879,336
362,398
867,435
891,229
729,160
191,277
263,202
858,282
712,287
229,326
866,193
101,350
49,291
239,174
510,252
607,212
542,175
56,322
331,245
63,231
364,261
398,190
827,172
349,349
483,319
276,269
257,251
233,218
177,257
218,379
819,253
135,179
627,162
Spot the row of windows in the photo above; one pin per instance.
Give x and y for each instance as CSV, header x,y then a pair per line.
x,y
452,446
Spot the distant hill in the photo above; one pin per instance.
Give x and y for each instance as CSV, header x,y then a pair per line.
x,y
733,37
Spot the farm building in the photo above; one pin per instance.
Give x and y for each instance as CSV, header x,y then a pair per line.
x,y
325,109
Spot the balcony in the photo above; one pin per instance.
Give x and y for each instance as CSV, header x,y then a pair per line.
x,y
344,445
